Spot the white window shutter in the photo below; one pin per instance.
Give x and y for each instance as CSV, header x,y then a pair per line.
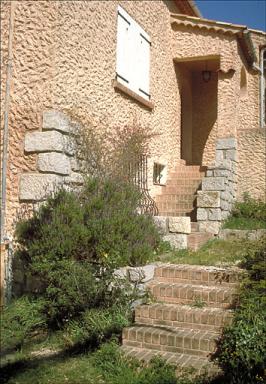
x,y
123,48
144,65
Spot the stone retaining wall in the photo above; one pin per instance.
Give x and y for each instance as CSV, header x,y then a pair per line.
x,y
175,230
215,200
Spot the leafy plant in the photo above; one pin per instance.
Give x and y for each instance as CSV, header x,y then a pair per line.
x,y
242,348
20,320
247,214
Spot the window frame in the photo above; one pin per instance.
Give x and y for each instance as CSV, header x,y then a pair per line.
x,y
263,88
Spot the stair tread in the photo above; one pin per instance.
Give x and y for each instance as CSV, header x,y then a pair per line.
x,y
177,331
176,358
183,307
190,285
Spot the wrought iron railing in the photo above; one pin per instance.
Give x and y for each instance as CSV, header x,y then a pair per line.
x,y
138,175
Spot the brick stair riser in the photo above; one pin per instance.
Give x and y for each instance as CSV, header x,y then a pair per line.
x,y
196,240
176,198
199,343
192,183
186,174
183,318
194,227
179,189
174,213
172,294
200,364
172,206
202,276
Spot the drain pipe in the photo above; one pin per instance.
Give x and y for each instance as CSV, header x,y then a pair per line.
x,y
6,113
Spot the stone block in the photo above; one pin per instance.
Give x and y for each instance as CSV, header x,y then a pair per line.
x,y
74,178
225,164
202,214
209,173
50,141
162,224
214,214
179,224
226,143
219,155
210,227
225,215
75,164
225,205
231,154
36,186
208,199
56,120
54,162
221,172
178,241
213,184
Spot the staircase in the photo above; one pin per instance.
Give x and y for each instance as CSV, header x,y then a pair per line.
x,y
193,304
178,197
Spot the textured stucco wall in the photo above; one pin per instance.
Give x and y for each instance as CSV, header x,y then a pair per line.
x,y
252,163
65,58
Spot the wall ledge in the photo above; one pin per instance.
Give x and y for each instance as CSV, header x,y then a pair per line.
x,y
122,88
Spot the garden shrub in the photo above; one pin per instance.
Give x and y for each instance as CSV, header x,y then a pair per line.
x,y
250,208
242,348
96,325
74,242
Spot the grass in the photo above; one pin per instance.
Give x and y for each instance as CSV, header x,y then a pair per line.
x,y
244,223
216,252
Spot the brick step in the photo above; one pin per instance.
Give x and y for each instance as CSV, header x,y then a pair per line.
x,y
200,364
172,206
175,189
173,197
198,168
194,226
197,274
174,213
177,340
183,316
197,239
184,182
186,173
180,293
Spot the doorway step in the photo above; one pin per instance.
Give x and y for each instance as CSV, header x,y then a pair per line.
x,y
178,196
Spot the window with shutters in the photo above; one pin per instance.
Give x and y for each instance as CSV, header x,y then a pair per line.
x,y
133,55
263,88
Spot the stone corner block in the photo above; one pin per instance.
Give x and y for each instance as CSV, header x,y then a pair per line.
x,y
179,224
54,162
202,214
55,120
214,214
49,141
208,199
210,227
226,143
213,184
37,187
178,241
161,223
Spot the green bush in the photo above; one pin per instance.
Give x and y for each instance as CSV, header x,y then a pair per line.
x,y
242,348
74,242
20,320
96,325
250,208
